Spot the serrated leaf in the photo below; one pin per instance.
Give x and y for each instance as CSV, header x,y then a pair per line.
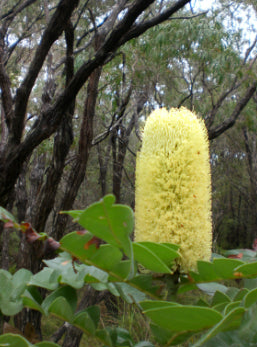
x,y
229,322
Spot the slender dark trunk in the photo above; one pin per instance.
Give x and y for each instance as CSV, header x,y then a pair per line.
x,y
78,171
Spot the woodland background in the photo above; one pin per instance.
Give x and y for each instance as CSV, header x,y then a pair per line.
x,y
79,78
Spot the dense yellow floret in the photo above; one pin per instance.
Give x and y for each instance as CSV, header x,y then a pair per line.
x,y
173,185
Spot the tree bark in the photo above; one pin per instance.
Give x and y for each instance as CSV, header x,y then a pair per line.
x,y
78,171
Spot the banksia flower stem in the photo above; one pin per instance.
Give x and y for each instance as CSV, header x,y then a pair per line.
x,y
173,185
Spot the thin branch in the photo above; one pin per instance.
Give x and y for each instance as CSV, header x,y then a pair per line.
x,y
52,32
16,10
138,29
228,123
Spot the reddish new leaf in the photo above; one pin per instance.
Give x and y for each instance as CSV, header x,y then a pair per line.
x,y
31,234
82,232
94,241
236,256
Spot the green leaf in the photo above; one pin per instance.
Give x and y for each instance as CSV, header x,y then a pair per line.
x,y
20,280
87,320
183,318
95,275
186,287
149,304
247,254
219,298
30,302
231,306
76,244
61,309
241,294
94,313
144,344
129,293
72,273
105,336
156,257
247,270
112,223
10,308
250,298
206,271
13,340
229,322
83,321
46,344
106,257
220,307
46,278
212,287
120,269
224,268
6,216
66,292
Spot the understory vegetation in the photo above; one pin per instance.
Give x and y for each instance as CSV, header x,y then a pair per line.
x,y
78,82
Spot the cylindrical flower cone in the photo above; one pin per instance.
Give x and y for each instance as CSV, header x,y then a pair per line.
x,y
173,185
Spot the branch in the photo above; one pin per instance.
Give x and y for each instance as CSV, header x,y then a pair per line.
x,y
5,84
228,123
119,35
16,10
52,32
139,29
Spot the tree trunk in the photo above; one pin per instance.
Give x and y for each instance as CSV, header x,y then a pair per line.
x,y
78,171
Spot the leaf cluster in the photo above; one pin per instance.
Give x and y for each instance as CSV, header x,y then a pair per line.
x,y
141,273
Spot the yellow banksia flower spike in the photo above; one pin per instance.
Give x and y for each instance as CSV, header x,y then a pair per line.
x,y
173,185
